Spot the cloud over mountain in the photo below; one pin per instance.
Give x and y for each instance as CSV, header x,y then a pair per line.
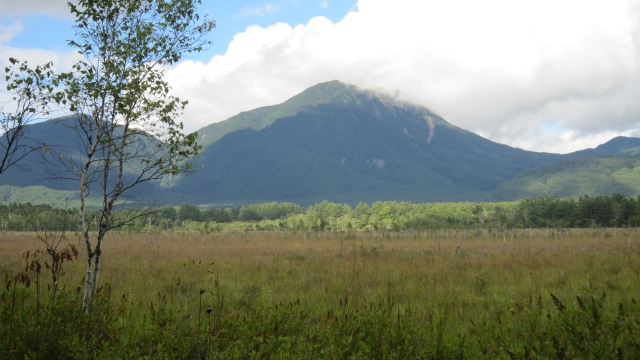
x,y
538,74
534,74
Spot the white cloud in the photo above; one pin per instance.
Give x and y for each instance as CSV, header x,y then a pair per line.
x,y
501,68
258,11
51,7
8,32
324,4
538,74
62,61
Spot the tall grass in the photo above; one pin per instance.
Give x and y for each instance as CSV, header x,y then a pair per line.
x,y
434,294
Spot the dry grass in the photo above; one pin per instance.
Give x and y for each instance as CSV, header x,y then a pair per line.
x,y
351,287
439,266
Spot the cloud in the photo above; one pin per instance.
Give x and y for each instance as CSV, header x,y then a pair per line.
x,y
324,4
542,75
258,11
8,32
56,8
62,61
500,68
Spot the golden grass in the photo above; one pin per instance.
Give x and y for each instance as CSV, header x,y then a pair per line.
x,y
477,293
447,268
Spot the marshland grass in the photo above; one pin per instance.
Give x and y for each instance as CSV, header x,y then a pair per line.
x,y
532,293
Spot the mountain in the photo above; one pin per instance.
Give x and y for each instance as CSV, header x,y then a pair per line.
x,y
59,151
613,167
33,169
620,145
339,143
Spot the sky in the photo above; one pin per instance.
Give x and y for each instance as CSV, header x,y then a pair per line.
x,y
542,75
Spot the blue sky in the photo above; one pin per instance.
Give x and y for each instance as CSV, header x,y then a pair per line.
x,y
231,17
542,75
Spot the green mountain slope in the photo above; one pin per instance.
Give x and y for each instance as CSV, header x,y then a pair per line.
x,y
573,178
260,118
51,167
338,143
621,145
610,168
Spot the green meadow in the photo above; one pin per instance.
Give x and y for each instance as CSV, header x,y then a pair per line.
x,y
438,294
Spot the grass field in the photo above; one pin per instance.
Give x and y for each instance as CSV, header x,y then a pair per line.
x,y
435,294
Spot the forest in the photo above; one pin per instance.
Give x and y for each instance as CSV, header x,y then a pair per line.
x,y
584,212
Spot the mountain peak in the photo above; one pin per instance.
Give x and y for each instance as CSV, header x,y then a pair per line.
x,y
335,141
332,92
324,93
620,145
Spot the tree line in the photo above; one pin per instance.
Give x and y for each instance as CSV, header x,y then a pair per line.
x,y
586,211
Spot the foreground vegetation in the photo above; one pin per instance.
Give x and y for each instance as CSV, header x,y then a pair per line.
x,y
440,293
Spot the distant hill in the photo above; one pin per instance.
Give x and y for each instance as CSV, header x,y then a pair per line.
x,y
621,145
576,177
35,168
613,167
339,143
52,166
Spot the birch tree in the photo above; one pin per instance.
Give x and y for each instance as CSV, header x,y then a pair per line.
x,y
124,115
